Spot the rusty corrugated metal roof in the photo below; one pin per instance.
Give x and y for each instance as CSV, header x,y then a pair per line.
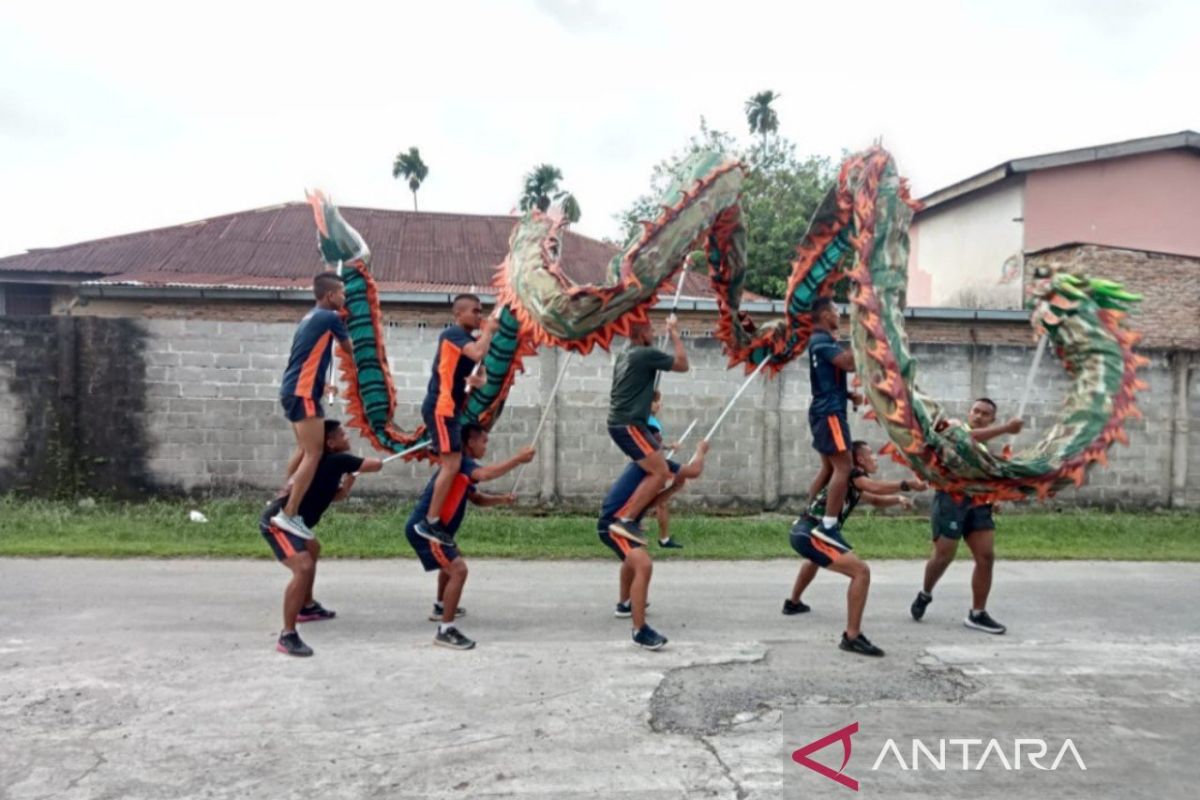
x,y
275,248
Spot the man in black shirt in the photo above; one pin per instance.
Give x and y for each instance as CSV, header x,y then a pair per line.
x,y
825,547
629,415
332,481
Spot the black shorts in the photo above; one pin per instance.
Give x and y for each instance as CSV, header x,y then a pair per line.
x,y
283,544
297,409
831,434
433,555
951,519
445,433
618,544
635,441
818,547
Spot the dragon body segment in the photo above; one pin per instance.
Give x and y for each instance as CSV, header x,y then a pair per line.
x,y
860,232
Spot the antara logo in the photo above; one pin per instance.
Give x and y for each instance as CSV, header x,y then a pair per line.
x,y
938,757
992,752
801,756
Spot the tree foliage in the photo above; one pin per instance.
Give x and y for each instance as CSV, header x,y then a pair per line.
x,y
409,165
542,189
780,195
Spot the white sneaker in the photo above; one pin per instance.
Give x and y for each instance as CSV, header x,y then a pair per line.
x,y
293,525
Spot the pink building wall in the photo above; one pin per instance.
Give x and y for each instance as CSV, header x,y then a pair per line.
x,y
1145,202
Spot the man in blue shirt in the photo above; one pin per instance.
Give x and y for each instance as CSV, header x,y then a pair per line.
x,y
636,566
453,364
300,393
828,365
452,569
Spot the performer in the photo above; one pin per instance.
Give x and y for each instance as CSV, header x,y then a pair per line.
x,y
629,413
333,479
453,364
953,520
300,394
824,545
636,567
662,506
828,365
452,568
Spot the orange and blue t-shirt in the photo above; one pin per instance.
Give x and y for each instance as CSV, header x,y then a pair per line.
x,y
455,506
451,368
312,349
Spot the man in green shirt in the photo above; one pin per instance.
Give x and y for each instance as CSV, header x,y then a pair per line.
x,y
629,413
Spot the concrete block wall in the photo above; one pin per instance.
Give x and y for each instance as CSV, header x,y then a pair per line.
x,y
212,422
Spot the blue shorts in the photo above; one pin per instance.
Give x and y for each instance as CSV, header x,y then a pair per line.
x,y
433,555
831,434
445,434
618,544
818,547
301,408
283,544
635,441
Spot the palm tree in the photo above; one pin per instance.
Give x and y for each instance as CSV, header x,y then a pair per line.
x,y
541,184
760,115
570,207
412,167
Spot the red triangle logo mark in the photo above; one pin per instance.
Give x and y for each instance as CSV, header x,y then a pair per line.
x,y
801,756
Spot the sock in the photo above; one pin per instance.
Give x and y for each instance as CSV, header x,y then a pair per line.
x,y
438,605
925,594
290,631
976,611
444,626
430,521
829,522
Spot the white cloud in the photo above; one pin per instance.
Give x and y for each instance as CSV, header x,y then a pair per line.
x,y
121,116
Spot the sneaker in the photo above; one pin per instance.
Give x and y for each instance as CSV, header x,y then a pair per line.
x,y
314,613
628,529
983,622
917,609
669,544
649,638
439,609
434,532
293,525
790,608
625,610
291,644
860,644
453,638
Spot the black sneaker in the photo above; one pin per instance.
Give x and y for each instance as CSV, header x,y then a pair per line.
x,y
983,622
625,610
917,609
291,644
315,612
859,644
649,638
669,544
439,609
798,607
453,638
628,529
434,532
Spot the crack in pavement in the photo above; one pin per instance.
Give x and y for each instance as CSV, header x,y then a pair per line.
x,y
741,791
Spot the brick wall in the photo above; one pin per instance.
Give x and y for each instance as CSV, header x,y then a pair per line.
x,y
1169,314
210,419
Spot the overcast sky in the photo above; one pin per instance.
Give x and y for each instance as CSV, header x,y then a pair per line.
x,y
117,117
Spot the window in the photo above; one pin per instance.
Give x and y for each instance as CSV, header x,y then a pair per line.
x,y
25,299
